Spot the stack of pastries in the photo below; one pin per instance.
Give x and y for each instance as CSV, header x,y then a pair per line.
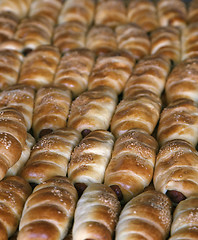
x,y
98,120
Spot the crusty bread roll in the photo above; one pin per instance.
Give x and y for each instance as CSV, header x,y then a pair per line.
x,y
39,66
96,213
81,11
179,120
20,97
134,39
14,191
145,217
183,81
49,210
93,110
112,70
10,65
74,69
110,12
19,7
34,32
150,73
132,164
13,135
185,224
193,11
50,156
166,41
173,13
51,109
176,170
141,110
90,159
101,39
69,35
143,13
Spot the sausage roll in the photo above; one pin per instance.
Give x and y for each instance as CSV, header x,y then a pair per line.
x,y
90,159
50,156
13,135
39,66
14,191
172,13
179,120
49,210
143,13
190,41
193,11
34,31
69,35
110,13
93,110
134,39
81,11
145,217
150,73
165,41
176,170
112,70
20,97
51,109
19,7
183,81
96,213
185,224
101,39
74,69
139,111
132,164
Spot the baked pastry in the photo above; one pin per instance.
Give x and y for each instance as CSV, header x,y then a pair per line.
x,y
69,35
14,191
183,81
50,156
132,164
134,39
39,66
20,97
150,73
93,110
90,159
179,120
34,32
110,13
10,65
13,135
143,13
96,213
49,210
101,39
51,109
141,110
146,216
19,7
112,70
184,225
176,170
74,69
189,41
46,8
165,41
173,13
193,11
81,11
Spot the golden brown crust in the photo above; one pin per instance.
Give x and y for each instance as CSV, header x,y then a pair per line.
x,y
146,216
49,210
96,213
132,163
